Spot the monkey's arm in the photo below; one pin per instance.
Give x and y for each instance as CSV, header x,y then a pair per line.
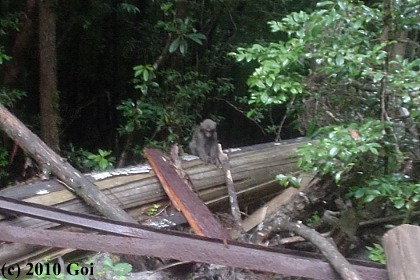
x,y
202,147
214,154
203,155
197,146
193,147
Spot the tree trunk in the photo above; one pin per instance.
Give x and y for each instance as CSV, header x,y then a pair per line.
x,y
49,99
21,45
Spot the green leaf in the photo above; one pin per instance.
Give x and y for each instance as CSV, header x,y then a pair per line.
x,y
378,77
369,198
174,46
129,127
197,37
339,60
359,193
337,177
108,262
264,98
92,156
342,5
327,167
103,163
399,203
101,152
130,8
374,151
121,269
295,182
325,3
358,24
259,84
280,177
364,148
316,30
333,151
145,75
183,46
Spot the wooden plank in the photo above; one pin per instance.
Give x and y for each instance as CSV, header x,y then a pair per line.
x,y
197,214
402,251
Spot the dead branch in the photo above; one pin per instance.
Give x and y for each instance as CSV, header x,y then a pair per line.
x,y
337,261
53,163
233,198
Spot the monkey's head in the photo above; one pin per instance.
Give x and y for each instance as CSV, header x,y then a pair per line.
x,y
208,128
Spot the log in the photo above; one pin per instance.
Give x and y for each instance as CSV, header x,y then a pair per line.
x,y
402,252
233,198
136,188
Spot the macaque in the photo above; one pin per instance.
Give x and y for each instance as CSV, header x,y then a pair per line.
x,y
204,142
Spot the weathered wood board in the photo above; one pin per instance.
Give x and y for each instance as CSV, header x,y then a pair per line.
x,y
402,251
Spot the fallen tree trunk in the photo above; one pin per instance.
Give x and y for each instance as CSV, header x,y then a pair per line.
x,y
253,171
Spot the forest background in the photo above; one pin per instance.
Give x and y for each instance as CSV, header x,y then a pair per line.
x,y
67,73
100,80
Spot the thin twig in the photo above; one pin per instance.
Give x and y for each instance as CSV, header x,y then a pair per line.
x,y
284,119
243,113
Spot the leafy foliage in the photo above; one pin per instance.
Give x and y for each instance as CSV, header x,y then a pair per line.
x,y
340,148
100,161
394,188
119,269
283,66
166,108
3,56
288,180
342,56
153,210
10,21
376,253
90,161
182,30
338,66
9,97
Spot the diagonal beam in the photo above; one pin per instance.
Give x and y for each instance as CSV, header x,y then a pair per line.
x,y
51,162
197,214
